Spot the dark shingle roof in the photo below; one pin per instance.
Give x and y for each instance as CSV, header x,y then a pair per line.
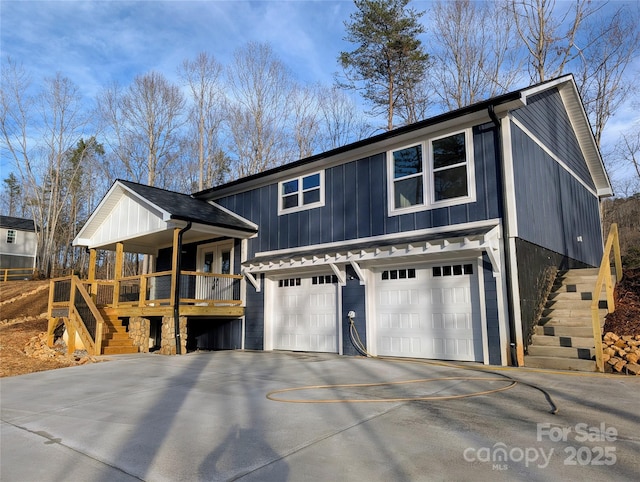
x,y
17,223
185,208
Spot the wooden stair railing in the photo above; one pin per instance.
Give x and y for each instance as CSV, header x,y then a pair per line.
x,y
604,278
83,318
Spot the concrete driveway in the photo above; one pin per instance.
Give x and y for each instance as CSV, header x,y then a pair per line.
x,y
206,416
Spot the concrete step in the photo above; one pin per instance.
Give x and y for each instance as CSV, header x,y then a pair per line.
x,y
565,341
119,350
574,321
569,313
561,351
568,303
555,363
580,272
580,287
563,330
574,295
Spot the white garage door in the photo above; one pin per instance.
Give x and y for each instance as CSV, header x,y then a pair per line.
x,y
429,312
306,314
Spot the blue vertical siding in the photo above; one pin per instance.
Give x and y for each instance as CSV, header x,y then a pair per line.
x,y
254,318
356,204
491,311
546,117
353,298
552,207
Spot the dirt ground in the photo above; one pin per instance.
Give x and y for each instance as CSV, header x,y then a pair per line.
x,y
23,325
625,320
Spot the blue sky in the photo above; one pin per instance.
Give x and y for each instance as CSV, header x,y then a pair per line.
x,y
96,42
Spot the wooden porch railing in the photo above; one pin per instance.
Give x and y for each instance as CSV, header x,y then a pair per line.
x,y
11,274
604,278
154,289
196,288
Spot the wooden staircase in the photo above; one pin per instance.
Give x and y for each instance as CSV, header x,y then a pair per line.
x,y
115,339
563,339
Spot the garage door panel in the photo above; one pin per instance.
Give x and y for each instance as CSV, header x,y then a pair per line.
x,y
450,296
400,297
401,344
452,322
428,316
305,316
445,347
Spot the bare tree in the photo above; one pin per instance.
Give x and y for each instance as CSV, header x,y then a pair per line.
x,y
204,80
341,122
259,90
38,133
144,126
549,36
611,45
305,120
626,161
473,57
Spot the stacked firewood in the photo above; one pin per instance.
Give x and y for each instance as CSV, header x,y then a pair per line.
x,y
621,353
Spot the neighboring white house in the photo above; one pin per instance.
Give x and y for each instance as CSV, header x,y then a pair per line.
x,y
18,243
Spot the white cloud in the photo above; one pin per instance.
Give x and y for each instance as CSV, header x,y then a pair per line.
x,y
95,43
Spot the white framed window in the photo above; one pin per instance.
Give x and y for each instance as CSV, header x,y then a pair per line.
x,y
11,236
302,192
435,173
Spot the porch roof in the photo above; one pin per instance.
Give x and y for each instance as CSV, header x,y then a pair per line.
x,y
143,219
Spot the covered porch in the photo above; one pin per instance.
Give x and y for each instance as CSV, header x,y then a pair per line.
x,y
138,219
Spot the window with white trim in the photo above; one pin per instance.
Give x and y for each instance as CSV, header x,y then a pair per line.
x,y
11,236
431,174
299,193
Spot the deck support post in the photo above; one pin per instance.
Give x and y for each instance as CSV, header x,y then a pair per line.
x,y
118,272
175,281
91,275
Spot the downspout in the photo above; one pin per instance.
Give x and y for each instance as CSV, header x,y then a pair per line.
x,y
506,236
176,295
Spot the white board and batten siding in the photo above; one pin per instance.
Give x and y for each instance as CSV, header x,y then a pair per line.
x,y
305,313
127,219
429,312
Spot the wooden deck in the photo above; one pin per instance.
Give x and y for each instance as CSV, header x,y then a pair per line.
x,y
201,295
90,307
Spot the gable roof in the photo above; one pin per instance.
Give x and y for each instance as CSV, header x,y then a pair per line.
x,y
21,224
186,208
143,219
478,113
